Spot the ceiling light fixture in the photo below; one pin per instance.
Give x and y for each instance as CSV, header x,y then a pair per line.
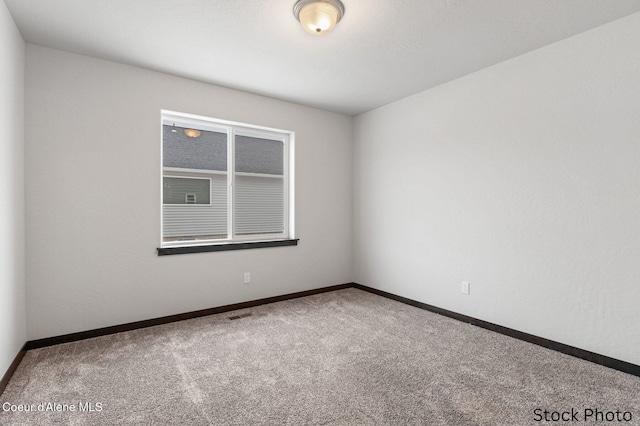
x,y
192,133
318,16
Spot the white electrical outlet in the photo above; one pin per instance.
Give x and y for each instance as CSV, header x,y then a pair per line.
x,y
247,277
465,287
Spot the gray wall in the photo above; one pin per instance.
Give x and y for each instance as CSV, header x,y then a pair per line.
x,y
523,179
12,274
93,128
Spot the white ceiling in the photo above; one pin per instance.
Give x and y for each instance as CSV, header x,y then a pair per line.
x,y
381,51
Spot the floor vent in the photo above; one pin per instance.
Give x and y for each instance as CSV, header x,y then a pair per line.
x,y
240,316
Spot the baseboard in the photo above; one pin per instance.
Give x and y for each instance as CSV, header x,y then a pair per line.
x,y
12,368
72,337
603,360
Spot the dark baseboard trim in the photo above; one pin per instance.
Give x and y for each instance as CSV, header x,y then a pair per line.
x,y
50,341
12,368
603,360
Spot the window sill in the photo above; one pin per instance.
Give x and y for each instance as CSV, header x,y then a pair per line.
x,y
165,251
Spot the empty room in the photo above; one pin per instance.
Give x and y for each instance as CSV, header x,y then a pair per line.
x,y
320,212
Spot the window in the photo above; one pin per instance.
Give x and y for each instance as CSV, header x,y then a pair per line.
x,y
224,183
183,190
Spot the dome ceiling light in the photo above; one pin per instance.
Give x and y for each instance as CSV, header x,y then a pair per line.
x,y
192,133
318,16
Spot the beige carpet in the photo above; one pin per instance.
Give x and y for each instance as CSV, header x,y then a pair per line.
x,y
341,358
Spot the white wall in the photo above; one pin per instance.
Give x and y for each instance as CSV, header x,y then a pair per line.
x,y
12,281
93,197
524,179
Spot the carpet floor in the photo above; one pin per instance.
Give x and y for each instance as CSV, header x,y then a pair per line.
x,y
346,357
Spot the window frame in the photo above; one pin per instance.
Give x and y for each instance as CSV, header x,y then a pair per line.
x,y
232,240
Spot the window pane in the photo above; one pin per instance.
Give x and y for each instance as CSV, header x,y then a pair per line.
x,y
186,191
259,190
256,155
195,184
208,151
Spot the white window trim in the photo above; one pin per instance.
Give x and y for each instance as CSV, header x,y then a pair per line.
x,y
232,128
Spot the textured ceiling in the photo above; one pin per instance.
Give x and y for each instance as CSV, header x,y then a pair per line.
x,y
381,51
